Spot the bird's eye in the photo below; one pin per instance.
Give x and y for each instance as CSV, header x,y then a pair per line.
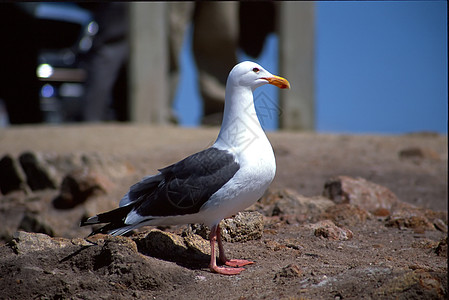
x,y
256,70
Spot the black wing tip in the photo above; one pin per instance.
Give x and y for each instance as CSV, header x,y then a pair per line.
x,y
102,230
114,216
112,229
92,221
115,219
106,229
89,221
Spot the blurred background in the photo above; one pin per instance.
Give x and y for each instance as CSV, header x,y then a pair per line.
x,y
354,67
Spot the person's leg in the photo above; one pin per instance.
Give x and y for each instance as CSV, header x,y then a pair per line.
x,y
215,41
179,17
109,52
102,68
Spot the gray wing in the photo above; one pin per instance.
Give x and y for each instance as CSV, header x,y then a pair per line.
x,y
183,187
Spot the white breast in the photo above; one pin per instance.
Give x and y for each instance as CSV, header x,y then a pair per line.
x,y
257,170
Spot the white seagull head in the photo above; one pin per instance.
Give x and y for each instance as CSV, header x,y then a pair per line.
x,y
252,75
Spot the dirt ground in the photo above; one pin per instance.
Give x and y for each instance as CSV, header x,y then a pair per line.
x,y
291,262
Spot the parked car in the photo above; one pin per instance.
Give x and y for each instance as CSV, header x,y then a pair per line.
x,y
66,32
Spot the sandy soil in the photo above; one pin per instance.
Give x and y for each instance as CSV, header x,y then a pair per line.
x,y
291,262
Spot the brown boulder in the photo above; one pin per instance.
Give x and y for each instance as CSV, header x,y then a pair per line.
x,y
358,191
288,203
418,219
346,215
329,230
417,284
184,250
244,226
441,248
78,186
287,273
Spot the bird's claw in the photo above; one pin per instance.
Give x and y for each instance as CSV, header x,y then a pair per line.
x,y
226,271
237,262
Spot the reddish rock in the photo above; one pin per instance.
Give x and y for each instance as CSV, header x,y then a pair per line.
x,y
419,219
441,249
329,230
291,206
288,272
437,218
417,284
274,246
165,245
244,226
358,191
410,218
424,244
346,215
78,186
161,244
440,225
381,212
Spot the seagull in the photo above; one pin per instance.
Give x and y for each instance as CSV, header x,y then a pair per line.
x,y
213,184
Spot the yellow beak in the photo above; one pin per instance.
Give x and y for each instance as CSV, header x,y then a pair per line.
x,y
278,81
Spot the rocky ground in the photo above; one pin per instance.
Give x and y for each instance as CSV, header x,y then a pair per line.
x,y
347,217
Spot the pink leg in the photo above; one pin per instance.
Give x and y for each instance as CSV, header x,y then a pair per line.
x,y
213,262
224,259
